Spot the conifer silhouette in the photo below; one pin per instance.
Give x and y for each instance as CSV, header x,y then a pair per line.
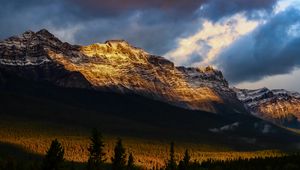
x,y
54,157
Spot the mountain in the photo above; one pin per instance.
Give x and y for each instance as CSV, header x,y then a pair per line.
x,y
278,106
125,91
116,66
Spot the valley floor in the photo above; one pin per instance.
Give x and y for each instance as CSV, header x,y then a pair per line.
x,y
34,139
29,122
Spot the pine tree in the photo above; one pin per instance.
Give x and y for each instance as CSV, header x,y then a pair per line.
x,y
171,164
10,164
54,157
96,153
119,159
130,162
185,162
72,166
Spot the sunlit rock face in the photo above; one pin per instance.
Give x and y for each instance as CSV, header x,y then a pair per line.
x,y
278,106
116,66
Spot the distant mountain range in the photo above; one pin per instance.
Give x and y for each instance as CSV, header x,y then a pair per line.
x,y
278,106
118,67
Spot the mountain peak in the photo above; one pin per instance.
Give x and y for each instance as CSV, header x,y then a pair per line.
x,y
44,32
121,43
116,49
41,37
28,34
207,68
116,41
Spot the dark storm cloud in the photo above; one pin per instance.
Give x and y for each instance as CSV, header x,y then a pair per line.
x,y
212,9
154,25
217,9
271,49
117,7
18,16
151,30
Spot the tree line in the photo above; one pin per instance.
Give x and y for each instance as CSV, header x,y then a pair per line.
x,y
54,157
287,162
96,161
54,160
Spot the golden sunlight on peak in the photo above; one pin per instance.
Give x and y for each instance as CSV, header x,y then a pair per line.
x,y
118,50
105,66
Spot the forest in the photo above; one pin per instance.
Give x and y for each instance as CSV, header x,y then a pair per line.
x,y
122,160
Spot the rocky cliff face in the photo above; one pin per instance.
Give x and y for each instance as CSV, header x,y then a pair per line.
x,y
116,66
278,106
27,56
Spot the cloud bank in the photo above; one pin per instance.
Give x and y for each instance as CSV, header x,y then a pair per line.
x,y
272,48
247,40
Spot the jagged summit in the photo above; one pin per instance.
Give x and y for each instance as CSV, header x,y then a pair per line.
x,y
207,68
264,93
31,48
28,33
45,32
30,38
123,43
116,42
116,49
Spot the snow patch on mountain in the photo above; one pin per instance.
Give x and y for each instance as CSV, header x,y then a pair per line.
x,y
266,129
229,127
27,62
